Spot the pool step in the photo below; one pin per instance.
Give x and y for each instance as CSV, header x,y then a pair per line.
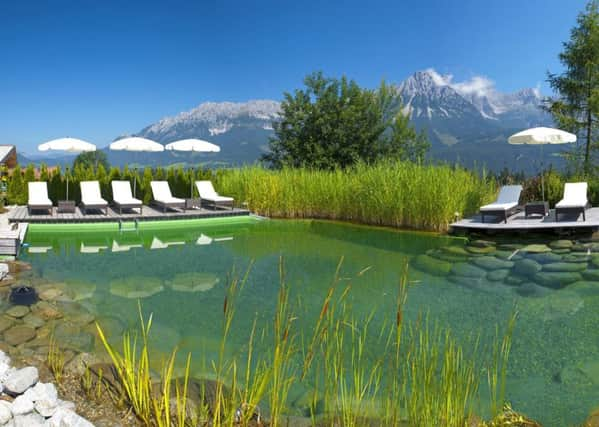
x,y
128,226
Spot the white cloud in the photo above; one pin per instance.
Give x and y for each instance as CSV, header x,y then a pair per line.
x,y
476,85
439,79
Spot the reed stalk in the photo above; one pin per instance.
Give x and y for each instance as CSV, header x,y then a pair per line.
x,y
497,372
390,193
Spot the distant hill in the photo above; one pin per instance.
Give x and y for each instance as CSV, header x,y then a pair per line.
x,y
467,122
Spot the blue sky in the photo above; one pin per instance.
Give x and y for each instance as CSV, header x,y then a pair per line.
x,y
97,69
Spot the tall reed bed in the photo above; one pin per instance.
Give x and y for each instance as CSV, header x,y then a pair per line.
x,y
354,373
392,193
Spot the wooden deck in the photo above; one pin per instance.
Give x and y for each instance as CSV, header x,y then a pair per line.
x,y
517,223
19,214
11,238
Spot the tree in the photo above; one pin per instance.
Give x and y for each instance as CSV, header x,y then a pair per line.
x,y
336,123
576,107
16,192
406,143
92,159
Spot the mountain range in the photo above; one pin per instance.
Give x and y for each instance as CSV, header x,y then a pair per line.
x,y
467,122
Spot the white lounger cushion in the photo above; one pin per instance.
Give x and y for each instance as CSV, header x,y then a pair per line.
x,y
508,198
162,193
575,195
207,192
38,194
90,193
121,193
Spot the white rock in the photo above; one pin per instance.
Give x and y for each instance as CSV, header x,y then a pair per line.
x,y
67,418
5,412
4,369
3,270
65,404
10,423
21,379
21,405
46,408
7,374
4,358
42,391
30,420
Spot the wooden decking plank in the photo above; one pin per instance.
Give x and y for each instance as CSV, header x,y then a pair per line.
x,y
19,214
518,222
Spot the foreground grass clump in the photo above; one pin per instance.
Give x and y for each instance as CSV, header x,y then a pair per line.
x,y
393,193
354,374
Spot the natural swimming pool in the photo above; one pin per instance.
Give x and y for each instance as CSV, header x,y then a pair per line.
x,y
180,274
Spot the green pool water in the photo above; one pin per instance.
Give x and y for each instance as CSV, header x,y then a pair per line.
x,y
180,273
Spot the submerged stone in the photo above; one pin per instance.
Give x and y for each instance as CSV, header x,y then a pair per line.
x,y
556,280
33,321
498,275
17,311
455,250
531,289
591,274
545,258
527,267
70,335
193,282
510,246
434,266
467,270
19,334
482,243
576,257
536,249
565,266
582,247
443,256
561,244
136,287
50,294
508,255
480,250
5,323
513,280
80,290
492,263
561,251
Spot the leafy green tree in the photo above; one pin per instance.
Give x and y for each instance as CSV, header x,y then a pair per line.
x,y
576,107
336,123
102,178
405,142
57,185
92,159
146,190
16,191
44,175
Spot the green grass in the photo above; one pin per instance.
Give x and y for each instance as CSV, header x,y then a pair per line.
x,y
394,193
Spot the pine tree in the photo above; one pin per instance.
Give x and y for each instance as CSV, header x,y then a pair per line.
x,y
576,107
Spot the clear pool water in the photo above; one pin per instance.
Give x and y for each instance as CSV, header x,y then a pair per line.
x,y
180,274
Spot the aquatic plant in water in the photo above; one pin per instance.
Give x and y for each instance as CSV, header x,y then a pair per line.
x,y
423,376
